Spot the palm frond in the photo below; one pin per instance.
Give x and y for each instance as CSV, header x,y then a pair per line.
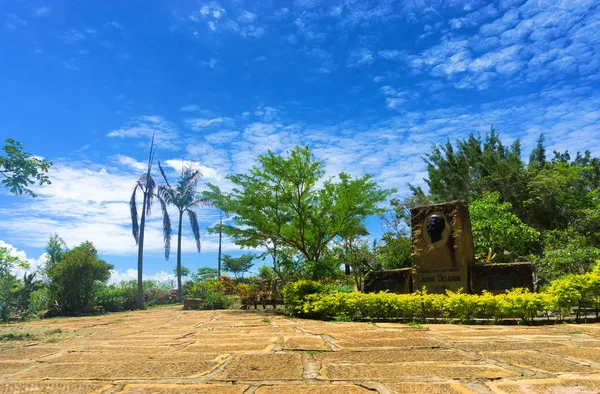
x,y
150,186
162,172
195,227
135,228
166,227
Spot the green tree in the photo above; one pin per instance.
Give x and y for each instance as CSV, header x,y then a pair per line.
x,y
496,227
559,196
238,265
184,196
9,283
21,170
278,204
74,276
565,252
466,171
185,272
147,186
215,197
204,273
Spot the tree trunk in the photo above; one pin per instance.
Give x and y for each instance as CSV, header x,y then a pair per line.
x,y
141,255
179,289
220,236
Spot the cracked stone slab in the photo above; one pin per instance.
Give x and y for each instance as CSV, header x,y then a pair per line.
x,y
386,372
313,389
273,366
183,389
428,388
587,385
537,361
53,387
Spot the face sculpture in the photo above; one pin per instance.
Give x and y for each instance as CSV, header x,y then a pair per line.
x,y
435,227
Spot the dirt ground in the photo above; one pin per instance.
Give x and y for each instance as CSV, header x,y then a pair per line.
x,y
168,350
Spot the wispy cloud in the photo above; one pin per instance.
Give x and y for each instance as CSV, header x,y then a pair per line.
x,y
144,127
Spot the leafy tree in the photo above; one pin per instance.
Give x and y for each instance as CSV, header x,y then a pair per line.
x,y
185,272
9,283
559,195
147,186
238,265
565,252
204,273
218,199
496,227
470,169
74,277
395,250
184,196
279,205
21,170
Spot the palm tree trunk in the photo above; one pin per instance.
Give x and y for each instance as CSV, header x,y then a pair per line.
x,y
220,236
141,255
179,290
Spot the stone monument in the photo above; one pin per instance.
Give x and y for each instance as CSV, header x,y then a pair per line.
x,y
442,247
443,258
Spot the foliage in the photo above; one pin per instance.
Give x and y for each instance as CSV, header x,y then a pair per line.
x,y
313,300
238,265
464,172
184,196
278,204
21,170
565,252
395,249
204,273
185,272
10,286
495,226
211,293
74,276
123,295
294,295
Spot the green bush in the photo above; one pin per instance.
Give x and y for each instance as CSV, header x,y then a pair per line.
x,y
314,300
294,295
212,294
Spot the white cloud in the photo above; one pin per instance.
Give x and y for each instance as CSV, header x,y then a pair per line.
x,y
143,127
132,274
42,11
246,17
198,124
190,108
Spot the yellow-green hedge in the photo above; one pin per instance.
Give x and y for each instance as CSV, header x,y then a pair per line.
x,y
572,292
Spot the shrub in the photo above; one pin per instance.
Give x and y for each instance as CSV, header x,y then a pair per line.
x,y
212,294
294,295
74,276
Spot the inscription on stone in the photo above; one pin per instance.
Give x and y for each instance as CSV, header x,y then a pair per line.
x,y
442,247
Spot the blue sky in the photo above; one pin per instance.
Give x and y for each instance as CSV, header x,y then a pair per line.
x,y
368,85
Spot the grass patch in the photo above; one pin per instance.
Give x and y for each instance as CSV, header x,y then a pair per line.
x,y
266,321
313,352
11,336
417,326
574,332
52,332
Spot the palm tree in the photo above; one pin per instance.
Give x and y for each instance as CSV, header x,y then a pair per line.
x,y
147,186
184,197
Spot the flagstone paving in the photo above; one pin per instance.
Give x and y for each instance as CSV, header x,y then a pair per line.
x,y
168,350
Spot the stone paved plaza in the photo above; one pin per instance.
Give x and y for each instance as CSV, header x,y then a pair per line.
x,y
167,350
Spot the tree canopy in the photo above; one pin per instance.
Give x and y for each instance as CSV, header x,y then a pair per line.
x,y
285,202
21,169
